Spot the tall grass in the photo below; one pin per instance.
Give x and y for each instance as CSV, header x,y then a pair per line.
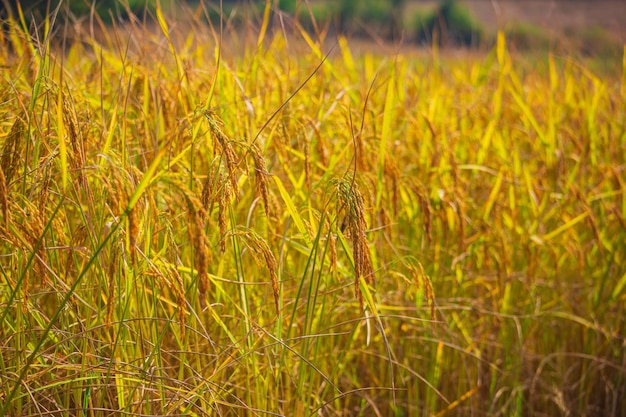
x,y
203,222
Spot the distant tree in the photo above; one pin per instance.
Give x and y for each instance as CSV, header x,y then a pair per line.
x,y
450,23
397,13
346,11
38,9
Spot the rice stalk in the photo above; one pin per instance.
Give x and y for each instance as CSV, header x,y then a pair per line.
x,y
332,246
112,271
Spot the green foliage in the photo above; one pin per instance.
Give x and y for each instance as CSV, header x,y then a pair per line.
x,y
527,37
369,17
287,5
375,12
104,8
345,11
595,41
449,24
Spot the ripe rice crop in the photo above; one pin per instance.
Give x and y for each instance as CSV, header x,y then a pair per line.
x,y
199,221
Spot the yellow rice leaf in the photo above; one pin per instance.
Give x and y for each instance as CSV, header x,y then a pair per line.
x,y
162,23
385,135
347,55
146,179
566,226
110,133
61,133
501,47
121,394
618,288
266,19
493,196
529,115
291,208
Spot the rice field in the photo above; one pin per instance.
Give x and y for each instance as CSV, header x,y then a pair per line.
x,y
259,222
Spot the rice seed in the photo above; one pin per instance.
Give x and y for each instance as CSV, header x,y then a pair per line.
x,y
31,224
259,246
351,204
261,175
228,153
133,230
320,145
76,141
4,199
12,150
272,266
207,196
421,279
223,203
426,208
200,243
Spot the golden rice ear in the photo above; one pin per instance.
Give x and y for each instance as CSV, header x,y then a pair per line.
x,y
207,197
200,244
259,246
426,208
228,152
133,230
421,279
350,202
12,149
261,175
76,142
223,204
4,199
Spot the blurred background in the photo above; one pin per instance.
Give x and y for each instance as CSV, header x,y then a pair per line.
x,y
593,27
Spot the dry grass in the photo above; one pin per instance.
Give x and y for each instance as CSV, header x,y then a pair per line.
x,y
478,211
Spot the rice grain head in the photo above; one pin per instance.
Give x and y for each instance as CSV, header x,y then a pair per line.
x,y
259,246
77,160
199,241
261,175
4,200
228,152
12,150
350,204
223,203
421,279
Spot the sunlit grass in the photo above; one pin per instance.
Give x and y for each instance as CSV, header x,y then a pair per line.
x,y
198,221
